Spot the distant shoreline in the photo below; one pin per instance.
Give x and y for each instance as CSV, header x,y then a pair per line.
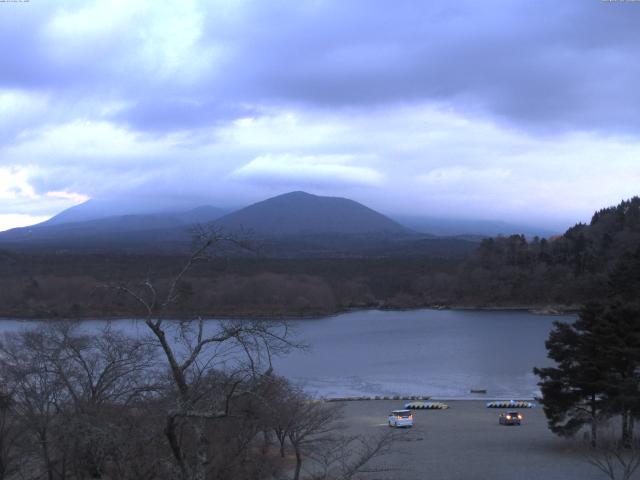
x,y
546,310
425,398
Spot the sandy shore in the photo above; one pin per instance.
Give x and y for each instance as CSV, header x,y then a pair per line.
x,y
466,442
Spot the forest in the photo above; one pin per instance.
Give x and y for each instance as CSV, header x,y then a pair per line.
x,y
558,273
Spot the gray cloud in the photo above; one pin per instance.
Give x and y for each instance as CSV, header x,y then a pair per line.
x,y
415,105
558,65
566,65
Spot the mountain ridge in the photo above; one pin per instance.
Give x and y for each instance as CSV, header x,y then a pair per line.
x,y
110,226
294,223
301,213
289,225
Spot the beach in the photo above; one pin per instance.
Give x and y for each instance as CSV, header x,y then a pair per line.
x,y
467,442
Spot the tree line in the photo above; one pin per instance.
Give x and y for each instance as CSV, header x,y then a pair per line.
x,y
564,271
569,269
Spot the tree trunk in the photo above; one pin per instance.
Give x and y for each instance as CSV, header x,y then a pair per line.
x,y
202,452
282,438
45,455
626,434
172,438
594,422
266,441
296,475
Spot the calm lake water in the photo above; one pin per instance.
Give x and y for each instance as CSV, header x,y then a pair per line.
x,y
442,353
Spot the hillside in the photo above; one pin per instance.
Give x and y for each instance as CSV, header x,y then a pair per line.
x,y
120,231
452,227
300,213
570,268
127,205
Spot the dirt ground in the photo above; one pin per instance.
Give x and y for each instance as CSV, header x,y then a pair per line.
x,y
467,442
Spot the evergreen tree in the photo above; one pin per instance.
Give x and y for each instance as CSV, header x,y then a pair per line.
x,y
621,324
620,331
624,280
573,390
597,372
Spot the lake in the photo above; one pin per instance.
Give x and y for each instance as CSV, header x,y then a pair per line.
x,y
441,353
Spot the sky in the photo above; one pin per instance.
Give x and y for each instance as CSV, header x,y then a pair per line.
x,y
513,110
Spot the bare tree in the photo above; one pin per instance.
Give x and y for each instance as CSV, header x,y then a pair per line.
x,y
347,457
280,403
314,432
105,368
102,375
192,350
10,435
188,400
137,449
38,397
618,460
310,423
69,388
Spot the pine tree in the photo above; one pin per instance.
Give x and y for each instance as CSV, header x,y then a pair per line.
x,y
619,330
624,280
573,390
597,372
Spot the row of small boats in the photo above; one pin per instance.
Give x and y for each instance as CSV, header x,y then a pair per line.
x,y
494,404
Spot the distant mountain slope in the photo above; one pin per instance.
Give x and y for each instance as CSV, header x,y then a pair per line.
x,y
300,213
89,210
470,227
95,209
142,229
295,224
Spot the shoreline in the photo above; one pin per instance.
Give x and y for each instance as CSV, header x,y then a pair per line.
x,y
427,398
542,310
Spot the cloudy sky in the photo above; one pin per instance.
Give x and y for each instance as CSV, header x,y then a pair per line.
x,y
514,110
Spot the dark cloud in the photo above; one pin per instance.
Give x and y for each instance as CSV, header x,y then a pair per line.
x,y
568,65
439,101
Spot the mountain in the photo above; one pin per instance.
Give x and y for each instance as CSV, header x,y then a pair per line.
x,y
311,224
295,224
95,209
470,228
138,230
300,213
